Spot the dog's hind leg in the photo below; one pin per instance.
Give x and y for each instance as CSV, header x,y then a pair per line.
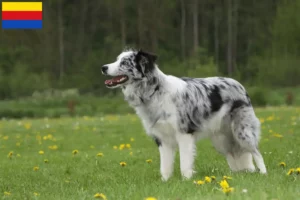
x,y
245,162
246,130
259,161
231,162
224,143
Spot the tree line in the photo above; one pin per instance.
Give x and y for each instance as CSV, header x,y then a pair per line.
x,y
257,42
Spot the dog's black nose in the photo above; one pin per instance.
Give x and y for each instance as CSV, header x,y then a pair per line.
x,y
104,69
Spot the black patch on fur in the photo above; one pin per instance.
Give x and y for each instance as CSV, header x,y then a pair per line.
x,y
222,87
237,104
142,100
206,114
157,141
153,81
240,136
215,99
148,65
249,100
191,126
204,85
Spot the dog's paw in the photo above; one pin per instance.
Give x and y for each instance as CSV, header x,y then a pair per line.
x,y
187,174
165,175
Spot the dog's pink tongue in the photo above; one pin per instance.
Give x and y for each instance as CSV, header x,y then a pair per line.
x,y
107,82
113,80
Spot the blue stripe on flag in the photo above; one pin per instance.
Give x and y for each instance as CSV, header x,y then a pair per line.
x,y
22,24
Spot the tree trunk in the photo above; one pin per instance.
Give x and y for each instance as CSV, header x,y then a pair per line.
x,y
195,25
140,23
123,23
154,39
182,29
229,38
235,33
81,30
61,42
216,33
155,13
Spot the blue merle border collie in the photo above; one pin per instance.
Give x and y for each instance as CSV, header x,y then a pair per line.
x,y
177,112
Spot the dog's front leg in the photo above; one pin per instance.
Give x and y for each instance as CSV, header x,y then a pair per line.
x,y
167,156
187,150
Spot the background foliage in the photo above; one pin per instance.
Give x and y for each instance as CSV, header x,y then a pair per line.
x,y
255,42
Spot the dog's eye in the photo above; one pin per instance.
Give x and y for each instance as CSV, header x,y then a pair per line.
x,y
123,62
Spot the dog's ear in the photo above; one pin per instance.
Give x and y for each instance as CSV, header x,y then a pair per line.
x,y
149,56
145,62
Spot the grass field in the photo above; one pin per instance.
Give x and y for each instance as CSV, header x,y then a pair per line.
x,y
42,164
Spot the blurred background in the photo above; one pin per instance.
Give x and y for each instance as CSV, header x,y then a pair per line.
x,y
55,71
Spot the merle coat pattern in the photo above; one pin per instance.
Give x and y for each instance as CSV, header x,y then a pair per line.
x,y
177,112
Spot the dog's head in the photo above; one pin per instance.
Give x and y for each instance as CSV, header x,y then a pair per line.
x,y
130,66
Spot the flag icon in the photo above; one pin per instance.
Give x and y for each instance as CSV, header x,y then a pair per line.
x,y
22,15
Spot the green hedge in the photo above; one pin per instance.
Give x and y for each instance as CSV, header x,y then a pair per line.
x,y
89,105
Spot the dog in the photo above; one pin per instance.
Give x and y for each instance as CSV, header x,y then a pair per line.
x,y
177,112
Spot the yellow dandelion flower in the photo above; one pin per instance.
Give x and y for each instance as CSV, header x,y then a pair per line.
x,y
132,139
5,137
18,155
100,196
115,147
150,198
74,152
36,168
122,146
27,126
7,193
277,135
123,164
45,138
291,171
18,144
199,182
227,177
46,160
282,164
262,120
227,190
131,153
298,170
36,194
54,147
10,154
149,161
224,184
50,137
41,152
99,154
213,178
207,179
270,118
128,146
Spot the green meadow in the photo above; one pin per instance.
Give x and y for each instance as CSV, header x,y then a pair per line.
x,y
76,158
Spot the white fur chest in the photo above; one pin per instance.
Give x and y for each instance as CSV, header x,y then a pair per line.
x,y
157,110
158,117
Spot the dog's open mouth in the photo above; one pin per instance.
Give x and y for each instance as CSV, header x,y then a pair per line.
x,y
117,80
